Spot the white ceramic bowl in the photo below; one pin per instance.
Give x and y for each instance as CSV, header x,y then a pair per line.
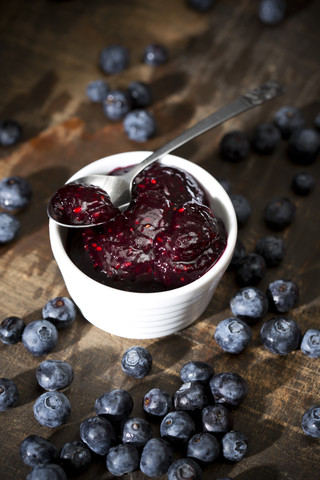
x,y
146,315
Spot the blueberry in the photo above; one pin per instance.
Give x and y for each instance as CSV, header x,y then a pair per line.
x,y
283,295
116,104
251,269
10,132
249,304
184,469
9,228
157,403
122,459
228,388
61,311
272,12
52,409
177,427
139,125
310,422
279,213
303,183
242,208
36,450
9,394
310,344
196,371
234,146
233,335
271,248
140,94
136,362
75,457
190,396
54,374
136,431
11,329
40,337
234,446
15,193
203,447
201,5
280,335
156,457
97,90
266,138
155,54
304,146
288,119
47,472
115,405
225,184
216,419
238,254
98,433
114,59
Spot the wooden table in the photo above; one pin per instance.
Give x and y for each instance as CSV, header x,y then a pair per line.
x,y
49,53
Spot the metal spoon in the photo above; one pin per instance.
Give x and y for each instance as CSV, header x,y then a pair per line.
x,y
119,187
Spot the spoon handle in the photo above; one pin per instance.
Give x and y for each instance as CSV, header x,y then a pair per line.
x,y
251,99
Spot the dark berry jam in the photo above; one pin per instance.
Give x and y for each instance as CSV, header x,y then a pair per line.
x,y
167,238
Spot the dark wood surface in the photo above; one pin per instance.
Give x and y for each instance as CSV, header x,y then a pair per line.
x,y
49,53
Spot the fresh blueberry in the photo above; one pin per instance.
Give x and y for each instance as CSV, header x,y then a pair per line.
x,y
140,94
52,409
266,138
15,193
310,422
304,146
196,371
117,104
238,254
54,374
233,335
136,362
225,184
139,125
115,405
10,132
279,213
157,403
249,304
97,90
280,335
190,396
136,431
203,447
75,457
283,295
234,146
98,433
114,59
9,394
156,457
288,119
271,248
242,208
36,450
177,427
251,269
234,446
9,228
122,459
155,54
229,389
303,183
201,5
184,469
216,419
11,329
40,337
310,344
61,311
272,12
50,471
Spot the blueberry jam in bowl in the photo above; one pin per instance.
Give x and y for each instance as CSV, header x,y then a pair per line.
x,y
152,270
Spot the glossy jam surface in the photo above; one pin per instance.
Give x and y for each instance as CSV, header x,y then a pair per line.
x,y
167,238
